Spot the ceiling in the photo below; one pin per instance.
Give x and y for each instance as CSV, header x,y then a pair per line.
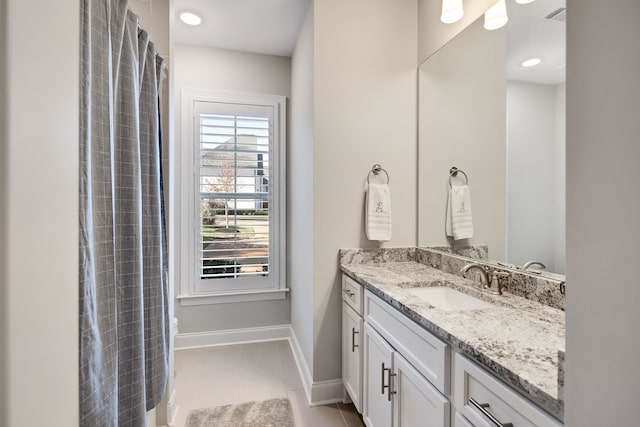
x,y
271,27
259,26
530,34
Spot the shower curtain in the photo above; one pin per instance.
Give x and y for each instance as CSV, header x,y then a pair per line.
x,y
124,318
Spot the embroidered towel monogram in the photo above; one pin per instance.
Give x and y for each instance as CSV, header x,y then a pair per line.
x,y
378,215
459,222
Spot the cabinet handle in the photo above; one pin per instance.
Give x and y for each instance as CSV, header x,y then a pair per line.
x,y
353,340
389,392
388,386
382,374
348,292
482,407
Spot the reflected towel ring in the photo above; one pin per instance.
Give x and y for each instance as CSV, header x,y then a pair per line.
x,y
454,172
376,169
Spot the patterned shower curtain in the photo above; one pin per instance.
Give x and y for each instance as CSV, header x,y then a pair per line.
x,y
124,318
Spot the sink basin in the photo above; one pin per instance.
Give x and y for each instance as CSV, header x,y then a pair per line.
x,y
448,299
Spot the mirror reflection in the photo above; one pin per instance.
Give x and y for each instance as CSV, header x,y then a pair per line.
x,y
486,110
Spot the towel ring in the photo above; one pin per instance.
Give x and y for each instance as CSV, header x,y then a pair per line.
x,y
454,171
376,169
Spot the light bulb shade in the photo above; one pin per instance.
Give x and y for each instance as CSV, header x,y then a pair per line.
x,y
524,1
496,16
451,11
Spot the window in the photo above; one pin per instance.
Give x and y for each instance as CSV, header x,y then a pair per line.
x,y
236,213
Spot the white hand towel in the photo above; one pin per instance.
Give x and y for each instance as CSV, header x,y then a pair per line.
x,y
378,216
459,222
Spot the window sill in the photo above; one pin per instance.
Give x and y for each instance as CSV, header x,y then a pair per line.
x,y
232,297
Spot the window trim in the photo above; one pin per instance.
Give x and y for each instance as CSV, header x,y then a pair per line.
x,y
189,294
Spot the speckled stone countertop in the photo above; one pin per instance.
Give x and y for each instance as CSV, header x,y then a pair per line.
x,y
518,340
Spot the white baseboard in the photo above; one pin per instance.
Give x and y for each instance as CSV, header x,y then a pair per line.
x,y
326,392
187,341
303,368
317,393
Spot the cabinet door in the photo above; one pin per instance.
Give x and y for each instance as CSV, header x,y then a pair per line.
x,y
417,402
377,359
461,421
352,354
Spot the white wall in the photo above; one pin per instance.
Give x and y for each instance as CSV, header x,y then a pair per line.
x,y
462,108
433,34
560,208
217,69
4,194
154,18
365,86
603,207
535,187
39,200
300,172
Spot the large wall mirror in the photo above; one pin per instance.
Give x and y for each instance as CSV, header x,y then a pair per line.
x,y
502,123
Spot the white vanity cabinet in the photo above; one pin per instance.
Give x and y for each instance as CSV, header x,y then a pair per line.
x,y
399,374
396,392
486,402
352,338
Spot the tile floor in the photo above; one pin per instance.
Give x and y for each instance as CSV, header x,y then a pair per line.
x,y
244,372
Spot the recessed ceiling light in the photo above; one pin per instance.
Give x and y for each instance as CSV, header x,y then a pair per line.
x,y
190,18
524,1
531,62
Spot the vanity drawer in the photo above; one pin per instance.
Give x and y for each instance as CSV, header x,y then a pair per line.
x,y
496,399
352,293
425,352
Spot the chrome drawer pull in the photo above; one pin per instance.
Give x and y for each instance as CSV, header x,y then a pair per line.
x,y
482,407
348,292
353,340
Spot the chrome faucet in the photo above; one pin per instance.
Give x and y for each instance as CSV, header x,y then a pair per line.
x,y
484,277
528,264
494,285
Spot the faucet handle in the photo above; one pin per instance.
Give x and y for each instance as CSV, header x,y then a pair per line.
x,y
495,280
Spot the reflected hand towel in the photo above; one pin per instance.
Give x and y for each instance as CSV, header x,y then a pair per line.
x,y
459,222
378,216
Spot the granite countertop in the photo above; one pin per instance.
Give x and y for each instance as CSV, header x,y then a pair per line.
x,y
518,340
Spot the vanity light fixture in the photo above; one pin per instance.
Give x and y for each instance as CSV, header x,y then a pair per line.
x,y
531,62
496,17
452,11
190,18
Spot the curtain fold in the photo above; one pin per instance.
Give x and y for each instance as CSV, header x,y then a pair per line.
x,y
124,319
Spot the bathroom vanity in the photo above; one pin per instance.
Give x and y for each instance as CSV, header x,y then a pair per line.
x,y
423,345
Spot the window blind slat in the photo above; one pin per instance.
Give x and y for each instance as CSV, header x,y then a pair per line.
x,y
234,179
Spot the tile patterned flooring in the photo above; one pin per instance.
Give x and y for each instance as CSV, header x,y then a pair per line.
x,y
239,373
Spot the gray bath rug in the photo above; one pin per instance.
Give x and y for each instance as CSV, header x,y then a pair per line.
x,y
267,413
